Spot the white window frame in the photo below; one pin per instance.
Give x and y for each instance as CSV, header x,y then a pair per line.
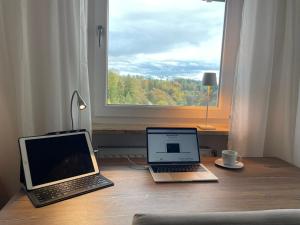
x,y
107,115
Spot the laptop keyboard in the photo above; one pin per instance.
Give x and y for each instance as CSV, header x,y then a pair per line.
x,y
177,168
70,188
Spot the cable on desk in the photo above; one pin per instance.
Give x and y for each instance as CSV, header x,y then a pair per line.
x,y
134,165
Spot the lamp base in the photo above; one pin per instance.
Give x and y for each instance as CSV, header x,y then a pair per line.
x,y
206,127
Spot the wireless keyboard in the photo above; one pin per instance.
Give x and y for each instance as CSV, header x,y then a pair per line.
x,y
58,192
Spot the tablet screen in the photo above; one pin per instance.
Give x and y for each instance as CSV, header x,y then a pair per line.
x,y
58,157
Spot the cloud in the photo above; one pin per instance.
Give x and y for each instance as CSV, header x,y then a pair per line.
x,y
148,35
148,31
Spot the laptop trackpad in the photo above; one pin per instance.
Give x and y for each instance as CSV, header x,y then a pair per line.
x,y
184,176
174,177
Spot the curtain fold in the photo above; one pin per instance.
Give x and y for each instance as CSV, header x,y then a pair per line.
x,y
265,114
48,58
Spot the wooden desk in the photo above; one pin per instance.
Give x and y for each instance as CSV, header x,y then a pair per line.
x,y
264,183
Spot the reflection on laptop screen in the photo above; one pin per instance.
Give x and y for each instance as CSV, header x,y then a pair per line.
x,y
172,145
56,158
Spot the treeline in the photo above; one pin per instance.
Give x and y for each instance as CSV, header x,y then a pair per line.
x,y
139,90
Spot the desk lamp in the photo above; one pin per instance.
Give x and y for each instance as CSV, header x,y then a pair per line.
x,y
208,80
80,103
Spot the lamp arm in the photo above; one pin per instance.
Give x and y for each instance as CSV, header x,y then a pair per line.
x,y
71,108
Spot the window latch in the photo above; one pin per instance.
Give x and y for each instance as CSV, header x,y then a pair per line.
x,y
100,31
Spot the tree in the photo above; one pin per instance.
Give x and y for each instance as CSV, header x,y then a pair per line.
x,y
139,90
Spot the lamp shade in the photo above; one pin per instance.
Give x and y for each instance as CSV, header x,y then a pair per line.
x,y
209,79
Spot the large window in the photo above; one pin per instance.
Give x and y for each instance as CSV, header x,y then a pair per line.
x,y
146,66
159,50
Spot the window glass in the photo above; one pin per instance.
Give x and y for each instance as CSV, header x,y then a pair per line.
x,y
159,50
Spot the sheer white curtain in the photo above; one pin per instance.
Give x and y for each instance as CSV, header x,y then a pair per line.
x,y
266,103
45,42
43,59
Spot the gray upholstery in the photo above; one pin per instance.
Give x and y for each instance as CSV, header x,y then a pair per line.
x,y
264,217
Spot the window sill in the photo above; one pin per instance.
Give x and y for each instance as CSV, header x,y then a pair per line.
x,y
221,129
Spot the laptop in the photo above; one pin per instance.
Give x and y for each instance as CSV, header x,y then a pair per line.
x,y
58,167
173,155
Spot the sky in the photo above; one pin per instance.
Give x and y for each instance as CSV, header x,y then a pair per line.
x,y
165,38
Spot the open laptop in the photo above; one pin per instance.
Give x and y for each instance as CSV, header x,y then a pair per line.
x,y
173,155
58,167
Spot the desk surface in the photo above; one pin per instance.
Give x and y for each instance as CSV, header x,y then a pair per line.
x,y
264,183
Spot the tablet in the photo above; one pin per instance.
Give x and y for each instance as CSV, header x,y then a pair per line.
x,y
52,159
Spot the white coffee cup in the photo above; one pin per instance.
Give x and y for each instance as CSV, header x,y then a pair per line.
x,y
230,157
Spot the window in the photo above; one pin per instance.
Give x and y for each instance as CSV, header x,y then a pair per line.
x,y
148,71
159,50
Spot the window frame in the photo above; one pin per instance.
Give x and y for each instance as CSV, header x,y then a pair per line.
x,y
158,115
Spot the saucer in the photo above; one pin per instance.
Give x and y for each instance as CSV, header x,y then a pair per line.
x,y
238,165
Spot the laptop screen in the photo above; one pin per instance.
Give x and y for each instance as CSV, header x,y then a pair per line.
x,y
172,145
57,158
